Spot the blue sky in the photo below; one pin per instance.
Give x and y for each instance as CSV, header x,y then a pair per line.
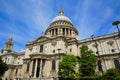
x,y
25,20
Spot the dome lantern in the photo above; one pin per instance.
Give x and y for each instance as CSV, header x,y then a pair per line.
x,y
61,13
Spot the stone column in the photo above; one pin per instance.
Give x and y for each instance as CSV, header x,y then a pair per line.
x,y
71,33
35,68
74,34
40,68
68,32
104,65
65,31
57,31
31,65
51,32
54,31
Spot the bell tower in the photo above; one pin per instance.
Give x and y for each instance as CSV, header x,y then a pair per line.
x,y
7,46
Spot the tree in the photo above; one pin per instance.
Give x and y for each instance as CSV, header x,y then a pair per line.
x,y
67,67
87,61
111,74
3,67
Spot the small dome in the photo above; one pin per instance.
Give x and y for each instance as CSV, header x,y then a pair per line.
x,y
57,18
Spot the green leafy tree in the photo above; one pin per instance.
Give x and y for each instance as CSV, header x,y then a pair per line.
x,y
111,74
67,67
3,67
87,61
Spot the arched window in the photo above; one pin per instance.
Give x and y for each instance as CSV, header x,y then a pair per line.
x,y
53,64
99,66
117,64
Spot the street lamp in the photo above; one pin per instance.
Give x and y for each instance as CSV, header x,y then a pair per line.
x,y
99,61
116,23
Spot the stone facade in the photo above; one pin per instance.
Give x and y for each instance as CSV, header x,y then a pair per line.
x,y
41,58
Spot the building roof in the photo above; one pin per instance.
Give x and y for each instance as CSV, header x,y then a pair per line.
x,y
106,36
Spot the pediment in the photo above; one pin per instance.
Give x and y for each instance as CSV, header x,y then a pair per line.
x,y
41,38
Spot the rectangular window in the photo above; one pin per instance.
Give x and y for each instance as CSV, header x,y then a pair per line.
x,y
41,48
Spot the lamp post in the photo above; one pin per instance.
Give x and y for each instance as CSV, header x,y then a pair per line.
x,y
99,61
116,23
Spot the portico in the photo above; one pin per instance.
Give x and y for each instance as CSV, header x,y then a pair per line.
x,y
37,68
41,65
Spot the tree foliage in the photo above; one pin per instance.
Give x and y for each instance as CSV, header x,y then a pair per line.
x,y
111,74
67,67
87,61
3,67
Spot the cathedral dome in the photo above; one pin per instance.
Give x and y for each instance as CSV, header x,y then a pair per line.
x,y
61,25
63,18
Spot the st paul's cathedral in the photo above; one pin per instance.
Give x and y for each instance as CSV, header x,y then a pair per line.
x,y
41,57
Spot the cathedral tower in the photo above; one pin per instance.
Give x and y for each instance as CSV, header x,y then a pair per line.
x,y
8,46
